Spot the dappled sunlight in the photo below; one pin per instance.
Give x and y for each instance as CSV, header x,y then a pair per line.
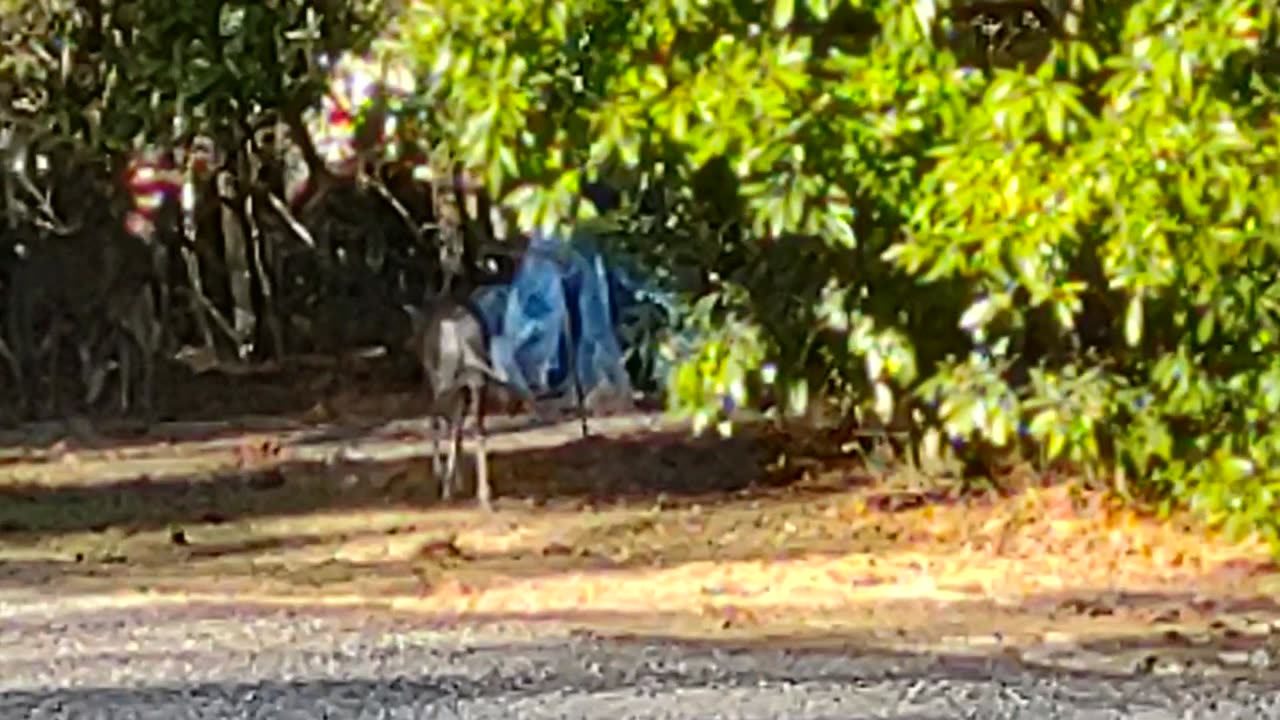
x,y
629,532
1042,559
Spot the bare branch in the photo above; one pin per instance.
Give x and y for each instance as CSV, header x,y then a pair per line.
x,y
377,186
16,153
299,230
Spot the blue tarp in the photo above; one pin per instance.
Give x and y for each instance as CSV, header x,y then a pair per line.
x,y
558,281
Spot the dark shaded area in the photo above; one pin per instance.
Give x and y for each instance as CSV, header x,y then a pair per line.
x,y
271,394
598,470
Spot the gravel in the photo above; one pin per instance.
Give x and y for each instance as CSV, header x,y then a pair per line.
x,y
223,661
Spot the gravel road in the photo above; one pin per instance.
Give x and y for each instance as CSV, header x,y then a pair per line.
x,y
222,661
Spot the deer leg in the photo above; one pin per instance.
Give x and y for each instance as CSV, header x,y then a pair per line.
x,y
457,417
437,463
484,494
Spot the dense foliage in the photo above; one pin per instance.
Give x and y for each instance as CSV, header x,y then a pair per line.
x,y
994,226
991,226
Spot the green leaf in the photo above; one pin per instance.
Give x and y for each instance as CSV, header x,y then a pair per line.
x,y
883,402
999,428
1044,422
979,314
1057,443
1055,119
1204,327
1235,469
1133,321
783,12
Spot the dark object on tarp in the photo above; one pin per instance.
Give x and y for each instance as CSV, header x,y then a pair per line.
x,y
561,284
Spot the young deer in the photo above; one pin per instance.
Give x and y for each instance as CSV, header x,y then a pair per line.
x,y
452,345
451,342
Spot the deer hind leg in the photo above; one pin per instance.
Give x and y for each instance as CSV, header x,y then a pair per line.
x,y
437,461
484,494
457,416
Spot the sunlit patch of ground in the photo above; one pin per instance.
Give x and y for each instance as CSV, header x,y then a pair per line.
x,y
839,552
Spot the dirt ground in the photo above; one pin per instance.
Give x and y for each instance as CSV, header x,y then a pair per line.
x,y
638,528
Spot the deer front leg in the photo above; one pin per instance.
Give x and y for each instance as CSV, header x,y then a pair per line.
x,y
484,494
437,462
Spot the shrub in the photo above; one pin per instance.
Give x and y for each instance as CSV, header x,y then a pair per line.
x,y
1070,241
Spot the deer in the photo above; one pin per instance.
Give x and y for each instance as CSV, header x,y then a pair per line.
x,y
453,347
451,343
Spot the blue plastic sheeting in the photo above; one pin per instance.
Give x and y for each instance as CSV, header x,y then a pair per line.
x,y
560,284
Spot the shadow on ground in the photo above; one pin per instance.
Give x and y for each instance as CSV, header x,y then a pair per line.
x,y
639,469
649,500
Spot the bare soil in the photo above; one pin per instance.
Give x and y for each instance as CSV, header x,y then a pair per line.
x,y
639,528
